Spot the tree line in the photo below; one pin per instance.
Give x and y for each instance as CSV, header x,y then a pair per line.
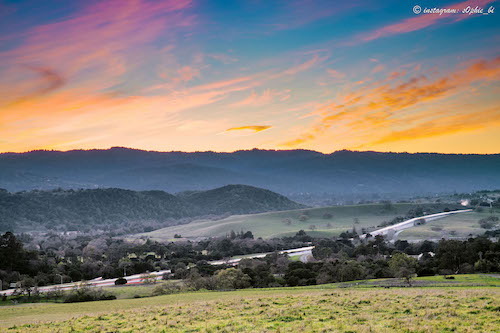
x,y
333,260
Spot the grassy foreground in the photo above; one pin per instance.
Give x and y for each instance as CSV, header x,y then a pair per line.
x,y
269,225
323,308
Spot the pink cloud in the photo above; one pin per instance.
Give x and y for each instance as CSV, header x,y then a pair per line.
x,y
101,39
423,21
266,97
335,74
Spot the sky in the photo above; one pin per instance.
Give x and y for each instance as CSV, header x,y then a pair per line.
x,y
190,75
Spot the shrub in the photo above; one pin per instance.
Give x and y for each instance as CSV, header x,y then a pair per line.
x,y
85,293
303,218
167,289
120,281
488,222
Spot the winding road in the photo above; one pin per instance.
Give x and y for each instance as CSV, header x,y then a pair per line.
x,y
399,227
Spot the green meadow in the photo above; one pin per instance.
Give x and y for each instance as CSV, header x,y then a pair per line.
x,y
469,303
326,221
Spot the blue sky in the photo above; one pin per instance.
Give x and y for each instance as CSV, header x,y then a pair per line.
x,y
229,75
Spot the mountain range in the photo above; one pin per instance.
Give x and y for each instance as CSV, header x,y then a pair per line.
x,y
287,172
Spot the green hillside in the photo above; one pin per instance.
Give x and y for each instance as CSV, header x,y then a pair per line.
x,y
325,221
125,211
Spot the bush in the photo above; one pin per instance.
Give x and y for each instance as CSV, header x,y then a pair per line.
x,y
167,289
303,218
85,293
488,222
232,278
120,281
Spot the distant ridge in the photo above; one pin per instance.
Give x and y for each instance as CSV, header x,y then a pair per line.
x,y
284,171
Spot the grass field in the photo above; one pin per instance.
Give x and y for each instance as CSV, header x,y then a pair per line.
x,y
459,225
268,225
326,308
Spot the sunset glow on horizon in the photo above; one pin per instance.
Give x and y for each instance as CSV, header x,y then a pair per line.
x,y
223,76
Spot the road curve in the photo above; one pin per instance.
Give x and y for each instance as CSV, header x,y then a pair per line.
x,y
411,223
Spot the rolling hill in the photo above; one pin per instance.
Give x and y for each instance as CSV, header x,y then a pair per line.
x,y
109,209
325,221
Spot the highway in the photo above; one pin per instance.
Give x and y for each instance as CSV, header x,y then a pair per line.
x,y
397,228
304,253
299,251
138,278
98,282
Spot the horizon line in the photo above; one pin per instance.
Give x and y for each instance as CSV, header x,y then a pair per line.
x,y
239,150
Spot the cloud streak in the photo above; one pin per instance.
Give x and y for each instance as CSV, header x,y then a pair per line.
x,y
422,21
248,129
370,112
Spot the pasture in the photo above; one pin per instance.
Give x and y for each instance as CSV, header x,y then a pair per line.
x,y
439,307
325,221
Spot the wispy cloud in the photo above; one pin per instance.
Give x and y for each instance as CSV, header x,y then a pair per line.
x,y
246,130
422,21
97,45
267,96
377,109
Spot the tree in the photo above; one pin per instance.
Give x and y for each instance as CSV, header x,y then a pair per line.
x,y
403,266
26,285
450,255
232,278
12,254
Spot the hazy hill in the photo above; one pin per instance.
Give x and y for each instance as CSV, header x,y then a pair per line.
x,y
287,172
238,199
107,209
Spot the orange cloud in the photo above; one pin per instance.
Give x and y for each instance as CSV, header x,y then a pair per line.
x,y
449,124
423,21
373,111
252,129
